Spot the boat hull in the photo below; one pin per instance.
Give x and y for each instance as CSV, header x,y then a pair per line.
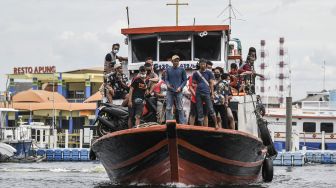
x,y
180,153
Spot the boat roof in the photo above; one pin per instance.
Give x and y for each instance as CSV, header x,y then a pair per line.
x,y
7,110
171,29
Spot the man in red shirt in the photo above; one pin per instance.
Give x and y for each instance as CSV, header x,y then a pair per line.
x,y
160,92
192,90
248,71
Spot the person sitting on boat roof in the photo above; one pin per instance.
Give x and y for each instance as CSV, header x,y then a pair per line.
x,y
176,79
111,57
204,92
118,81
110,60
136,97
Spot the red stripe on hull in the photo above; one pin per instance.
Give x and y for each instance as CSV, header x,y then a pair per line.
x,y
216,157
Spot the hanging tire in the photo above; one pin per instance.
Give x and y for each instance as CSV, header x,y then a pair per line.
x,y
267,170
264,133
92,155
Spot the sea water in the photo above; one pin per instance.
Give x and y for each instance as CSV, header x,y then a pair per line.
x,y
92,174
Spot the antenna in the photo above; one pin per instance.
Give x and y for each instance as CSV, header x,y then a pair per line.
x,y
324,74
128,22
232,11
177,4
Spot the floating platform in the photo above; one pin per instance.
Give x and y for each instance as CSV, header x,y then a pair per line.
x,y
64,154
302,157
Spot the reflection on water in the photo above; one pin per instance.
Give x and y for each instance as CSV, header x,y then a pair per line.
x,y
92,174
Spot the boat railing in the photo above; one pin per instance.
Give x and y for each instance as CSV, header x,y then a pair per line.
x,y
13,133
306,137
318,105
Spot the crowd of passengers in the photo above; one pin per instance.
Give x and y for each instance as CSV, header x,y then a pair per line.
x,y
208,90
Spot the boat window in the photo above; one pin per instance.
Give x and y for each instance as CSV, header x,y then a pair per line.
x,y
33,132
309,127
294,123
38,132
327,127
144,47
208,47
175,45
44,135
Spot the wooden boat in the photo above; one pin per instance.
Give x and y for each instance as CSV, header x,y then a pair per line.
x,y
187,154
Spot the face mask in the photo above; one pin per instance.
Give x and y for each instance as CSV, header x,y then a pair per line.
x,y
217,75
115,51
143,75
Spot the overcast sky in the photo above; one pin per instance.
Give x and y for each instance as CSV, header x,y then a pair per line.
x,y
73,34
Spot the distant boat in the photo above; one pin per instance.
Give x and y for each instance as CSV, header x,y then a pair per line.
x,y
311,117
6,152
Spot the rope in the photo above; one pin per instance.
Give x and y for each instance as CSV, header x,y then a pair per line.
x,y
148,124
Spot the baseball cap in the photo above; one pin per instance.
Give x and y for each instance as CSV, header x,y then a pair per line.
x,y
117,65
175,57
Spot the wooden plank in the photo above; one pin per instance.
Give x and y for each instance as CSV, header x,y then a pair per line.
x,y
173,151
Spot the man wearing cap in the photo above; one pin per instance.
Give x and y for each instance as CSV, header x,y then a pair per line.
x,y
117,81
176,79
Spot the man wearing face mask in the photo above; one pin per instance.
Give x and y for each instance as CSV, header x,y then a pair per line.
x,y
136,97
118,81
110,61
176,79
151,77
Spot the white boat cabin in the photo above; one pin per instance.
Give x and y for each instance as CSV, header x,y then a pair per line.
x,y
190,43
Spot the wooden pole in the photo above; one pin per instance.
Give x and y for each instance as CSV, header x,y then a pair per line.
x,y
177,4
288,123
66,138
81,138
